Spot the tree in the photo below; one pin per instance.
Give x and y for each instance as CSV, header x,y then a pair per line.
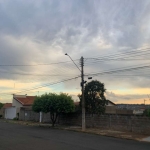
x,y
147,112
1,105
37,105
55,104
95,100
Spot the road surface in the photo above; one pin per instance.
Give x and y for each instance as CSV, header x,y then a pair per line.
x,y
21,137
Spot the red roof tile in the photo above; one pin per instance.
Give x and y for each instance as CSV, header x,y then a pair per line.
x,y
26,101
7,105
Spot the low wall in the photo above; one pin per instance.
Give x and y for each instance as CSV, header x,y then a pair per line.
x,y
135,124
28,115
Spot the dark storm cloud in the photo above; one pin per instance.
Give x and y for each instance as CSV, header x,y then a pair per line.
x,y
36,32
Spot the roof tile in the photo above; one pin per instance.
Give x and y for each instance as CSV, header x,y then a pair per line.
x,y
26,101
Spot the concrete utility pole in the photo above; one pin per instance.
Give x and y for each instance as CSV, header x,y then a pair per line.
x,y
82,88
144,101
83,100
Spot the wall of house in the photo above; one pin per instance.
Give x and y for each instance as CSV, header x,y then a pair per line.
x,y
10,113
17,105
110,110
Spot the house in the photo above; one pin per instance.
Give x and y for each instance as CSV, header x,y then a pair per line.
x,y
110,103
18,102
110,107
2,111
138,111
8,111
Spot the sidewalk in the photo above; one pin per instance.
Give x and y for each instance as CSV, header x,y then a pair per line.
x,y
98,131
113,133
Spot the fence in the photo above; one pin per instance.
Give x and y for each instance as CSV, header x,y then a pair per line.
x,y
135,124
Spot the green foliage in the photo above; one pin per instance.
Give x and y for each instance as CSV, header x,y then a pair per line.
x,y
55,104
15,118
147,112
95,100
1,105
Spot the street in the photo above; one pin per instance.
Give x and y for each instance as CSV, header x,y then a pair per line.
x,y
21,137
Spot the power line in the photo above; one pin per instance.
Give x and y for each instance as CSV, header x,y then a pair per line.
x,y
43,86
116,71
39,64
123,53
28,74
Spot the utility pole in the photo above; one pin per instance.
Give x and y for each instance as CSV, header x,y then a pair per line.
x,y
144,101
83,100
82,88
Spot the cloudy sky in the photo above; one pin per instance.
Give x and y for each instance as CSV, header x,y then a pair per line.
x,y
113,36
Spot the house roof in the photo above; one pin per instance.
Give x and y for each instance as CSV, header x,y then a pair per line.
x,y
7,105
26,100
111,102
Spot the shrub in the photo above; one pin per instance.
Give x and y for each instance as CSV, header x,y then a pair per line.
x,y
15,118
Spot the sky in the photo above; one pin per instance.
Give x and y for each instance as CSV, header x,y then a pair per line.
x,y
111,35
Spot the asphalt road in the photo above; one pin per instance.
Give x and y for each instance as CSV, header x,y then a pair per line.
x,y
21,137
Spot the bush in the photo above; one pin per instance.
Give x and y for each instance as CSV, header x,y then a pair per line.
x,y
15,118
147,112
1,116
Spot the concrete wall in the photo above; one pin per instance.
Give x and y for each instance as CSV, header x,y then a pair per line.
x,y
28,115
10,113
134,124
129,123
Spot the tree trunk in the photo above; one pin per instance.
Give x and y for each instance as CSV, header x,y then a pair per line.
x,y
54,118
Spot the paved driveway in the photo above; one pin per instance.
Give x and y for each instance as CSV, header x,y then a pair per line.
x,y
20,137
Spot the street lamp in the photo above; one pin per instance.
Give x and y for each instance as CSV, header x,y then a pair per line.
x,y
82,86
73,61
82,89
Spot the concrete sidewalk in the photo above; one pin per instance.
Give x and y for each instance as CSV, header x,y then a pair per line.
x,y
98,131
147,139
113,133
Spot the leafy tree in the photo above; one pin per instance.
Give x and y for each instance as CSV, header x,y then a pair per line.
x,y
1,105
95,100
37,105
147,112
55,104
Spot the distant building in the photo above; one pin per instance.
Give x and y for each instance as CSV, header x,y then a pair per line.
x,y
137,109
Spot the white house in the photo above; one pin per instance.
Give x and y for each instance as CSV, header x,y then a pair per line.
x,y
110,103
18,102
